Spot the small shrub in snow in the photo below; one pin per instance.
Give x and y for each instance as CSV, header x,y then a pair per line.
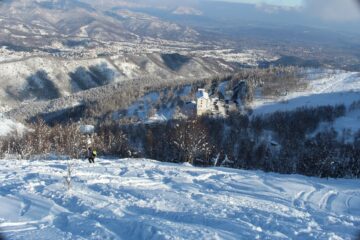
x,y
69,174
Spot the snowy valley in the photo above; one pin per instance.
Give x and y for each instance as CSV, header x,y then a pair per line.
x,y
207,120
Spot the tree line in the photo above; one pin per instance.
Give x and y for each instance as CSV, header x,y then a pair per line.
x,y
284,142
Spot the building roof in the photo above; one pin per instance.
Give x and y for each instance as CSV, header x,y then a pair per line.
x,y
201,93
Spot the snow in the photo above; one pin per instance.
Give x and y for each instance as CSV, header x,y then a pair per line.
x,y
222,87
129,69
145,199
87,129
201,93
350,121
326,87
339,88
8,126
185,91
157,118
142,107
250,57
346,126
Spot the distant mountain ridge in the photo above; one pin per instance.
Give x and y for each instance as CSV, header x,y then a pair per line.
x,y
26,22
60,77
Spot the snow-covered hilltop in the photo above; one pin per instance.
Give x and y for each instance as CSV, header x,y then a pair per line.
x,y
143,199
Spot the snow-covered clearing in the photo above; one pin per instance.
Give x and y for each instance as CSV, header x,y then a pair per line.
x,y
324,89
339,88
144,199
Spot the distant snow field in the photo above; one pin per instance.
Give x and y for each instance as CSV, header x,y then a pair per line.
x,y
338,88
144,199
324,89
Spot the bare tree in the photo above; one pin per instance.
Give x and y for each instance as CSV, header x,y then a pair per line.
x,y
191,140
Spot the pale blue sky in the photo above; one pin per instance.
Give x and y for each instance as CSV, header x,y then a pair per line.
x,y
293,3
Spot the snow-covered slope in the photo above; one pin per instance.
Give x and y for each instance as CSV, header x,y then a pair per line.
x,y
143,199
68,76
324,88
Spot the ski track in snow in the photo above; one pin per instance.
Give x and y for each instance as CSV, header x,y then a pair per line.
x,y
144,199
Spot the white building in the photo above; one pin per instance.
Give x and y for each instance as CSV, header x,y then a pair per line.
x,y
203,102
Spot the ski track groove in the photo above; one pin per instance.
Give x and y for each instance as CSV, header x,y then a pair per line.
x,y
326,201
172,202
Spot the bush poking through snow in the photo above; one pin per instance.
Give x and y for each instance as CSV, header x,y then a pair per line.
x,y
69,174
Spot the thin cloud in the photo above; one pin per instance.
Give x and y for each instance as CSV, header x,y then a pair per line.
x,y
269,8
334,10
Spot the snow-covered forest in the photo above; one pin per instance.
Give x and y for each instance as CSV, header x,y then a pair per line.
x,y
179,120
218,177
282,124
282,142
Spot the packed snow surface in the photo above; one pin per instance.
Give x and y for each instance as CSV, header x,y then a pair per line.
x,y
144,199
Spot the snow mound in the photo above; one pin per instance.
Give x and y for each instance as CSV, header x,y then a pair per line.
x,y
143,199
